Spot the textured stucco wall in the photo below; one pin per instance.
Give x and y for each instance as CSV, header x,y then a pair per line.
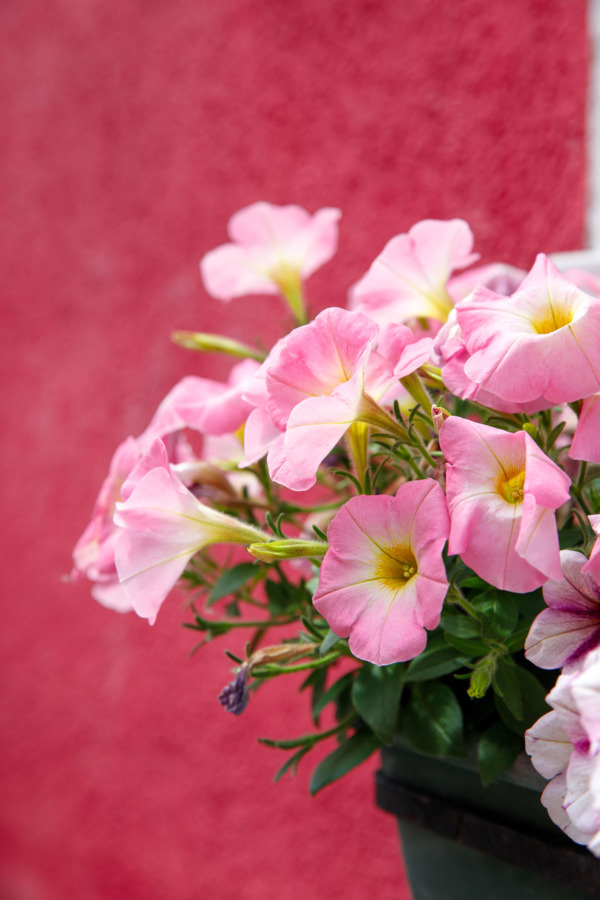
x,y
131,131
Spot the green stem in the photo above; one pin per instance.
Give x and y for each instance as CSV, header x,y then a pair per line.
x,y
209,624
308,740
272,669
294,297
455,596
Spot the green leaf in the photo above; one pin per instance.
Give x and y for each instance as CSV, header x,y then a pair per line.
x,y
461,626
468,647
316,681
232,580
506,684
436,660
497,750
291,763
433,720
376,696
343,759
279,597
502,614
533,695
473,581
328,696
331,638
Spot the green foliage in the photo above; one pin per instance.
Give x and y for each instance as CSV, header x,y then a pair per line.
x,y
496,751
347,756
436,660
232,580
531,704
433,720
376,693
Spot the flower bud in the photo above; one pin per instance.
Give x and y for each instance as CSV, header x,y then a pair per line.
x,y
289,548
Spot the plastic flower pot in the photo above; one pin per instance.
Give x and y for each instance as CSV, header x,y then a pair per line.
x,y
463,841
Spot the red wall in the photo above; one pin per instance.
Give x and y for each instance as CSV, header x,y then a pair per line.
x,y
132,131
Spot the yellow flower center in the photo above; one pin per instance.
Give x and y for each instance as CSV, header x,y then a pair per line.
x,y
396,566
553,318
510,484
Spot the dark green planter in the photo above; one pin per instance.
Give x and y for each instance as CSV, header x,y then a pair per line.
x,y
462,841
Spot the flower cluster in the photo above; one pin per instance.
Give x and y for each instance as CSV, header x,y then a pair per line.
x,y
415,480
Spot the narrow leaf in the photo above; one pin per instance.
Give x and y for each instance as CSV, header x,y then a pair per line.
x,y
232,580
343,759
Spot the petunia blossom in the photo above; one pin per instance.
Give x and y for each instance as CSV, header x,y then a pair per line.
x,y
409,278
542,342
564,746
570,627
327,376
499,277
272,249
592,566
586,440
94,553
502,491
163,526
383,581
204,405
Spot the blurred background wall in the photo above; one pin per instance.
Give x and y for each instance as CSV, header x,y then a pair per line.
x,y
131,132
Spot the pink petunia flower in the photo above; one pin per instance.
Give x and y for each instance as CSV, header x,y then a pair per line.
x,y
564,746
163,526
541,344
586,440
273,249
409,278
499,277
204,405
94,553
383,581
327,376
570,627
502,491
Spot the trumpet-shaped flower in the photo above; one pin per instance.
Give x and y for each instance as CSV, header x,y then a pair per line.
x,y
542,342
592,566
94,553
383,581
409,278
204,405
564,746
327,376
585,443
164,525
498,277
570,627
502,491
273,248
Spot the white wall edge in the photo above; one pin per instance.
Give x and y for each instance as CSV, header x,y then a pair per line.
x,y
593,127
